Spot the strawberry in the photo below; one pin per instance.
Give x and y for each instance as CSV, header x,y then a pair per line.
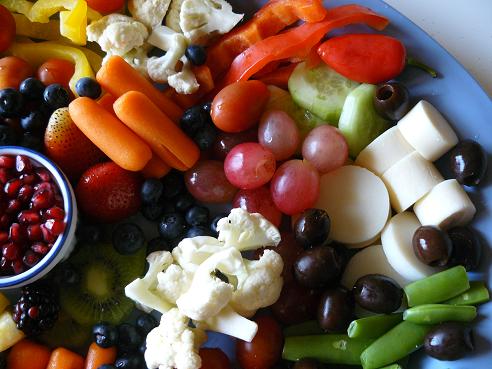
x,y
66,144
108,193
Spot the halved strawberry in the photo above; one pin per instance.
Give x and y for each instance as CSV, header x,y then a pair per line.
x,y
66,144
108,193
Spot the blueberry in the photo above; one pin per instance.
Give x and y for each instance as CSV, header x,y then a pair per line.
x,y
105,335
152,211
106,366
56,96
31,141
128,238
197,231
89,233
183,202
205,137
207,107
88,87
67,274
151,190
172,225
142,348
173,184
197,215
32,89
194,120
196,54
34,122
129,338
145,323
215,220
129,362
158,244
8,136
11,103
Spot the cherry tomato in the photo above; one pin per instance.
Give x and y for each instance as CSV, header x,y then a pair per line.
x,y
56,71
13,71
106,6
8,28
238,106
214,358
265,349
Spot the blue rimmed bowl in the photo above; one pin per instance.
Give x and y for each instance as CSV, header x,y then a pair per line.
x,y
65,242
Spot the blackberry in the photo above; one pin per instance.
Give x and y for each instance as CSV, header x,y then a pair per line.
x,y
36,310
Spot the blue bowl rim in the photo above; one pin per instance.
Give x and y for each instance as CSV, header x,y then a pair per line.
x,y
63,183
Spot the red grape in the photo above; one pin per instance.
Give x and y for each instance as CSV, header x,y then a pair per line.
x,y
295,186
326,148
249,165
278,132
225,142
214,358
260,201
207,182
296,304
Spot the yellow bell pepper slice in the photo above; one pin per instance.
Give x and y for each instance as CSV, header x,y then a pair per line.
x,y
73,23
42,10
42,31
17,6
38,53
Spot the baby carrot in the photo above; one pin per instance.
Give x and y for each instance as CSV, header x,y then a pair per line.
x,y
155,168
118,142
165,138
117,77
107,101
62,358
97,356
28,354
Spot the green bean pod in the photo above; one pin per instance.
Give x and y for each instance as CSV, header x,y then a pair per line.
x,y
308,328
438,287
373,326
477,294
394,345
440,313
326,348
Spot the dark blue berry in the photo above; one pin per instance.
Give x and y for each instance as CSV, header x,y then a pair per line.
x,y
128,238
172,226
105,335
183,202
197,231
158,244
151,190
34,122
132,361
89,233
88,87
205,137
129,338
32,89
11,103
8,136
145,323
215,220
67,274
107,366
152,211
142,348
196,54
56,96
31,141
173,184
207,107
194,120
197,215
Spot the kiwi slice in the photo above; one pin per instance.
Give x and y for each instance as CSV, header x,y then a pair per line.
x,y
99,295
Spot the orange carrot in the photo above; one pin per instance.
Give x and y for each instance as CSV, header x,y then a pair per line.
x,y
97,356
164,137
117,77
118,142
61,358
107,101
155,168
27,354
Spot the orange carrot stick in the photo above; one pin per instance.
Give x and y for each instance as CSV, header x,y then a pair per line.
x,y
117,77
62,358
97,356
164,137
118,142
155,168
27,354
107,101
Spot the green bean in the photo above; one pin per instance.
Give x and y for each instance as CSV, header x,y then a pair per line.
x,y
303,329
327,348
394,345
373,326
477,294
392,366
438,287
440,313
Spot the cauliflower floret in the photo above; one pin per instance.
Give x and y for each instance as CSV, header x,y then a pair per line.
x,y
191,252
117,34
261,285
149,12
247,231
174,43
184,82
231,323
173,344
201,20
173,282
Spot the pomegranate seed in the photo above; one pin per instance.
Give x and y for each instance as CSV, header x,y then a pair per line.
x,y
5,175
23,164
12,187
28,178
11,251
18,266
47,235
25,193
29,217
5,268
33,312
54,213
14,206
17,233
31,258
7,161
50,245
43,174
4,237
40,248
5,221
44,186
34,232
56,227
42,199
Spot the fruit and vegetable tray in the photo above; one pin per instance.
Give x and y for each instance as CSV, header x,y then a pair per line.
x,y
191,184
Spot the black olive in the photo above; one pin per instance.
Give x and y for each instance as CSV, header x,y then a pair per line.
x,y
307,364
432,246
378,293
335,310
318,267
467,248
392,100
449,341
312,227
468,162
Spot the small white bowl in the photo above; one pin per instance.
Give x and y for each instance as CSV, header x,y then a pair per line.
x,y
65,243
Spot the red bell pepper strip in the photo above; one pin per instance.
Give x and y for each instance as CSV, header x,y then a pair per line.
x,y
364,58
298,41
268,21
279,77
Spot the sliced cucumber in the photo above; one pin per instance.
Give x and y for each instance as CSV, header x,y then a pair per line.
x,y
320,90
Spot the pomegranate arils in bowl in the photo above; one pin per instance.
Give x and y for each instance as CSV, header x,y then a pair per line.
x,y
7,161
23,164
